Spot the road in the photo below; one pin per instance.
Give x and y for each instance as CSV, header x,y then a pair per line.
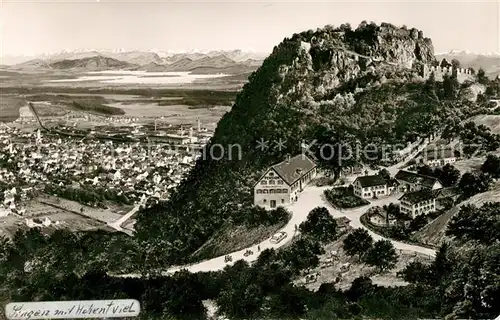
x,y
117,224
311,197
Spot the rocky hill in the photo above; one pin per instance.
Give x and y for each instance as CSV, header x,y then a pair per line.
x,y
333,84
94,63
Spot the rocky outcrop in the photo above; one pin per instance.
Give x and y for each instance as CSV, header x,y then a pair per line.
x,y
330,58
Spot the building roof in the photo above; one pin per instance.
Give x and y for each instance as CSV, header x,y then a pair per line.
x,y
415,178
294,168
446,193
371,181
418,196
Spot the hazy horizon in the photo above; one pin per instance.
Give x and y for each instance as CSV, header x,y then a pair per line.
x,y
36,27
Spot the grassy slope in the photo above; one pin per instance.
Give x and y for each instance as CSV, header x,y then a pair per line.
x,y
491,121
234,238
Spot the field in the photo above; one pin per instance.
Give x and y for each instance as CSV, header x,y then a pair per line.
x,y
491,121
206,98
471,164
328,273
9,107
10,224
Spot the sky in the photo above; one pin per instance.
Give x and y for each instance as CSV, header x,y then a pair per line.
x,y
36,26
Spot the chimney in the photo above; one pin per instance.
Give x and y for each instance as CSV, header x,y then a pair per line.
x,y
287,158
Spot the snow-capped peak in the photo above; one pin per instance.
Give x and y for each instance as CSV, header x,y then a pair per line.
x,y
469,53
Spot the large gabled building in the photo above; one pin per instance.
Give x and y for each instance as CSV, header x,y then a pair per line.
x,y
418,202
367,187
282,183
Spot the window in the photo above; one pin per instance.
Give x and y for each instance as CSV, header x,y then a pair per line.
x,y
271,174
277,191
271,181
271,190
282,200
263,182
259,191
284,191
280,181
265,191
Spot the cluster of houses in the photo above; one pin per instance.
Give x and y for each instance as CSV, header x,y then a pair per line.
x,y
419,191
282,183
135,169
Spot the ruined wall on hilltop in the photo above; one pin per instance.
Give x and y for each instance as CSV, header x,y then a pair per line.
x,y
463,74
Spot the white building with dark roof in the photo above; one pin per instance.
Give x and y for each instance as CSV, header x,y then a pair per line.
x,y
418,202
282,183
367,187
412,181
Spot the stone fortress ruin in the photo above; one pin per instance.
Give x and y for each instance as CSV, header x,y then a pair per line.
x,y
462,74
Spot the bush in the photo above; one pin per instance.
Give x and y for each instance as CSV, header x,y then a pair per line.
x,y
344,198
320,225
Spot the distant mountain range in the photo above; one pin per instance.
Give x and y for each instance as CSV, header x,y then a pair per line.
x,y
232,62
490,62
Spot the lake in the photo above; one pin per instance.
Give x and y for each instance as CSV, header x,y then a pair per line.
x,y
141,77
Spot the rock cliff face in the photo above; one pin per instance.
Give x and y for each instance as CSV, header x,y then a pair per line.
x,y
332,57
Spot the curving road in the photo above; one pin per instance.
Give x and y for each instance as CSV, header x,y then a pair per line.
x,y
311,197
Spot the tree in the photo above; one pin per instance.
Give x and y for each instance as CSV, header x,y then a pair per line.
x,y
450,86
359,287
481,77
384,173
290,301
358,242
455,63
492,166
473,183
382,255
472,223
416,272
320,225
302,254
448,175
425,170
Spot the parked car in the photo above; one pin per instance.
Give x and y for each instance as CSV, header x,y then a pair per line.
x,y
278,237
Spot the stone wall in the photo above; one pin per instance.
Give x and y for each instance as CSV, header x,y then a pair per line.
x,y
463,74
